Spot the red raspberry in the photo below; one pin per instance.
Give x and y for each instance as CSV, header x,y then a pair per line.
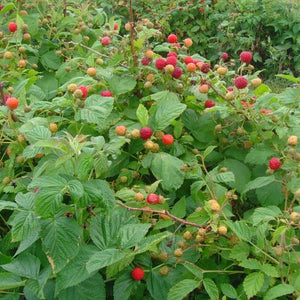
x,y
84,91
188,60
230,88
12,26
168,139
160,63
177,73
12,103
274,163
36,189
153,199
105,41
246,56
106,93
1,7
266,111
224,56
145,61
240,82
205,68
172,38
172,60
145,133
172,54
137,274
209,103
116,26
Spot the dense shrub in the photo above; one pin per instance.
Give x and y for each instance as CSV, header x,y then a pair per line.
x,y
271,30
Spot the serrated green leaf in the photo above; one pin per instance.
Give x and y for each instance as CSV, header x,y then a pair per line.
x,y
278,291
75,271
259,156
225,177
196,271
99,192
142,115
37,133
121,84
240,251
26,265
265,214
258,183
48,202
166,167
166,112
96,109
132,234
105,258
211,288
253,283
270,194
208,150
153,187
117,267
179,208
269,270
105,228
7,205
251,263
228,290
182,288
90,289
125,194
152,240
50,60
124,286
60,240
241,229
10,281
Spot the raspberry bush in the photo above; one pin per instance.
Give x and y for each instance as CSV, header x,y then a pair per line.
x,y
122,179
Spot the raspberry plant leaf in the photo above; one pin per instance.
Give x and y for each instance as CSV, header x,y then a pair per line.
x,y
75,271
253,283
166,167
211,288
60,240
167,110
105,258
182,288
25,265
279,291
91,288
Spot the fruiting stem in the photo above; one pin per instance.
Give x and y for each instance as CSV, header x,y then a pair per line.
x,y
213,193
135,62
65,8
162,212
88,48
265,253
2,99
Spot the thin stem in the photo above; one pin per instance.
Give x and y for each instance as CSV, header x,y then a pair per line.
x,y
2,98
162,212
213,193
135,62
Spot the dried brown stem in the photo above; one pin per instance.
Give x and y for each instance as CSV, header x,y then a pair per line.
x,y
65,8
2,98
135,62
162,212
